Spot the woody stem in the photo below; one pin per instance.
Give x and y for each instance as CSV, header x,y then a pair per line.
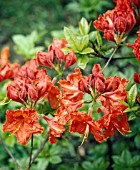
x,y
110,58
40,149
31,149
9,152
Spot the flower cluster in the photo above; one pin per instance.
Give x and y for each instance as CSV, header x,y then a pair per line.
x,y
108,91
117,22
56,55
107,96
31,84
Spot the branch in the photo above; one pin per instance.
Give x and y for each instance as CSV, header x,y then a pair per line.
x,y
110,58
31,149
40,149
116,58
9,152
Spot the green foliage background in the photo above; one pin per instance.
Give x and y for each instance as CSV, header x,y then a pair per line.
x,y
47,18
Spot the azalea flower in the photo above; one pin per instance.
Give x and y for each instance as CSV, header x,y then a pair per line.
x,y
55,53
136,46
22,123
72,95
115,23
6,71
137,78
31,84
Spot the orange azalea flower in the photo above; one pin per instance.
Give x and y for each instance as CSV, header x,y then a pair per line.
x,y
16,90
6,72
4,56
119,20
22,123
31,84
96,79
115,90
137,78
113,120
56,128
136,46
114,116
71,92
45,59
83,123
55,52
29,69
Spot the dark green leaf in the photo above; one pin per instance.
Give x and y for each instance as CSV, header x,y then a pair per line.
x,y
55,159
42,163
87,165
137,141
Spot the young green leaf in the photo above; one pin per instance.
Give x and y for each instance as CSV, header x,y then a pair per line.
x,y
84,27
132,94
87,50
99,39
72,39
82,61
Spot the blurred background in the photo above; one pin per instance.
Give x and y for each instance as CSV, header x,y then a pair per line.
x,y
46,19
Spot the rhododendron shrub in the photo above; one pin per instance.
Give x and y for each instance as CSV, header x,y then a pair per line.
x,y
110,103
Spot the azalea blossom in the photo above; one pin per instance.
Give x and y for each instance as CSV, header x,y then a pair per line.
x,y
6,71
137,78
72,95
136,46
31,84
22,123
115,23
55,55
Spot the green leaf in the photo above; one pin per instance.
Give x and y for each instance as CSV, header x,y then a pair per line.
x,y
131,116
93,35
82,61
135,108
84,40
135,161
55,149
123,103
99,39
71,150
87,50
132,94
84,27
42,163
55,159
126,156
66,50
137,141
10,140
72,39
118,160
86,165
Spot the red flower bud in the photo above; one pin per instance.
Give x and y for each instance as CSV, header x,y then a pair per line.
x,y
137,78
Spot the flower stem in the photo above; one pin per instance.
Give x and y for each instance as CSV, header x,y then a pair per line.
x,y
9,152
110,58
40,149
31,149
